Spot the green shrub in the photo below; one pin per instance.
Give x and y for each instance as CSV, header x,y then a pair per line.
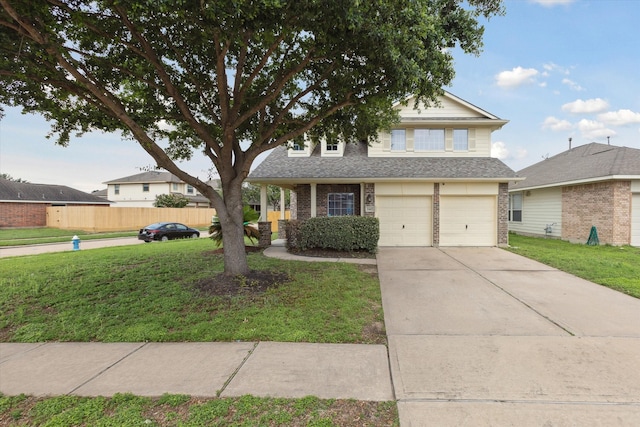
x,y
342,233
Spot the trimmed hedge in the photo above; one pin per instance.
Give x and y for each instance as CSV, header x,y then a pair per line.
x,y
340,233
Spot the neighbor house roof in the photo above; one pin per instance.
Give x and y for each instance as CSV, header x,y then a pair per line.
x,y
590,162
12,191
355,166
146,177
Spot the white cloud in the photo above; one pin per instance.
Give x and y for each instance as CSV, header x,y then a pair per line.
x,y
499,150
589,106
551,3
620,117
549,67
592,129
573,85
516,77
556,124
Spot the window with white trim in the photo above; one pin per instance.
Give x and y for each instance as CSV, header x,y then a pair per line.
x,y
332,145
340,204
460,140
428,140
297,147
145,188
116,188
515,207
190,189
398,140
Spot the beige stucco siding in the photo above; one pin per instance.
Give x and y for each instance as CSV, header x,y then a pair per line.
x,y
540,208
448,108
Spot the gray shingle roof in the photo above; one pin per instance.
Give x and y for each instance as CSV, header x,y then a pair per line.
x,y
590,161
354,165
144,177
12,191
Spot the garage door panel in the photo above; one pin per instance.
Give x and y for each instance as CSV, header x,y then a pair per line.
x,y
468,221
404,220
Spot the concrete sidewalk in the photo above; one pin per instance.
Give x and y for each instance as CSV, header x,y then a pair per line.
x,y
293,370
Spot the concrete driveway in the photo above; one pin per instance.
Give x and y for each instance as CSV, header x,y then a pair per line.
x,y
484,337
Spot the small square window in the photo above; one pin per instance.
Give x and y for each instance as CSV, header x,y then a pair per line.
x,y
190,189
145,188
332,146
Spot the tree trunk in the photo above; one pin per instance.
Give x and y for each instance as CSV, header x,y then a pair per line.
x,y
231,220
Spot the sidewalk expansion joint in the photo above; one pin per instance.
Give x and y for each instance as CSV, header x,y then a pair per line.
x,y
519,402
109,367
235,372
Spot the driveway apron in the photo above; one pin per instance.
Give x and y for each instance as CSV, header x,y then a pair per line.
x,y
481,336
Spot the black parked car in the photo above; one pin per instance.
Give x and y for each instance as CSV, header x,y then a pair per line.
x,y
164,231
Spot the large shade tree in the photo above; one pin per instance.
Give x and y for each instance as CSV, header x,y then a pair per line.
x,y
228,79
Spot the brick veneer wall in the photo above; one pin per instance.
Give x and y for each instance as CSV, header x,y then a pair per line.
x,y
23,214
503,214
607,205
303,193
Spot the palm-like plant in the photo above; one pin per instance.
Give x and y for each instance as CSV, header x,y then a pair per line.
x,y
249,217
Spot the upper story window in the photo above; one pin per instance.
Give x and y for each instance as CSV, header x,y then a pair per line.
x,y
428,140
332,145
145,187
190,189
398,140
297,147
461,140
116,188
515,207
340,204
174,186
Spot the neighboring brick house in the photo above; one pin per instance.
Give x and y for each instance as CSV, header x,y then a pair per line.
x,y
24,204
431,180
140,190
591,185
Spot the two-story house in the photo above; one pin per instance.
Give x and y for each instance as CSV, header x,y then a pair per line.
x,y
140,190
431,180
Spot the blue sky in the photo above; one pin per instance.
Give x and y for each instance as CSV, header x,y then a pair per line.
x,y
556,69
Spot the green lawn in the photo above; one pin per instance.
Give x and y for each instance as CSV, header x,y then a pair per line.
x,y
33,236
150,293
617,267
179,410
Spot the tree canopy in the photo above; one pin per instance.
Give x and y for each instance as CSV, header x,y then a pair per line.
x,y
229,80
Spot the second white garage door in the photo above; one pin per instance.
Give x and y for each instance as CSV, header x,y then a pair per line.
x,y
404,220
468,221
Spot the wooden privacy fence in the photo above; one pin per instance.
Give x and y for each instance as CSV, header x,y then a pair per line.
x,y
104,218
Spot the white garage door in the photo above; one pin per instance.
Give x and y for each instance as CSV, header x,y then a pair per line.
x,y
468,221
635,220
404,220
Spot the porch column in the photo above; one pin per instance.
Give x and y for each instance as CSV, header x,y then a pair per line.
x,y
313,200
282,208
362,196
263,202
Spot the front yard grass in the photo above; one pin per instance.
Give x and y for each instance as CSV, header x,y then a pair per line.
x,y
150,293
34,236
617,267
180,410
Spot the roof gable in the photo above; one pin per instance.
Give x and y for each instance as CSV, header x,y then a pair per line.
x,y
448,106
592,161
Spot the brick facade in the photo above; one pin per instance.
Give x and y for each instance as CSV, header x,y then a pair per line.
x,y
605,205
503,214
23,214
303,198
